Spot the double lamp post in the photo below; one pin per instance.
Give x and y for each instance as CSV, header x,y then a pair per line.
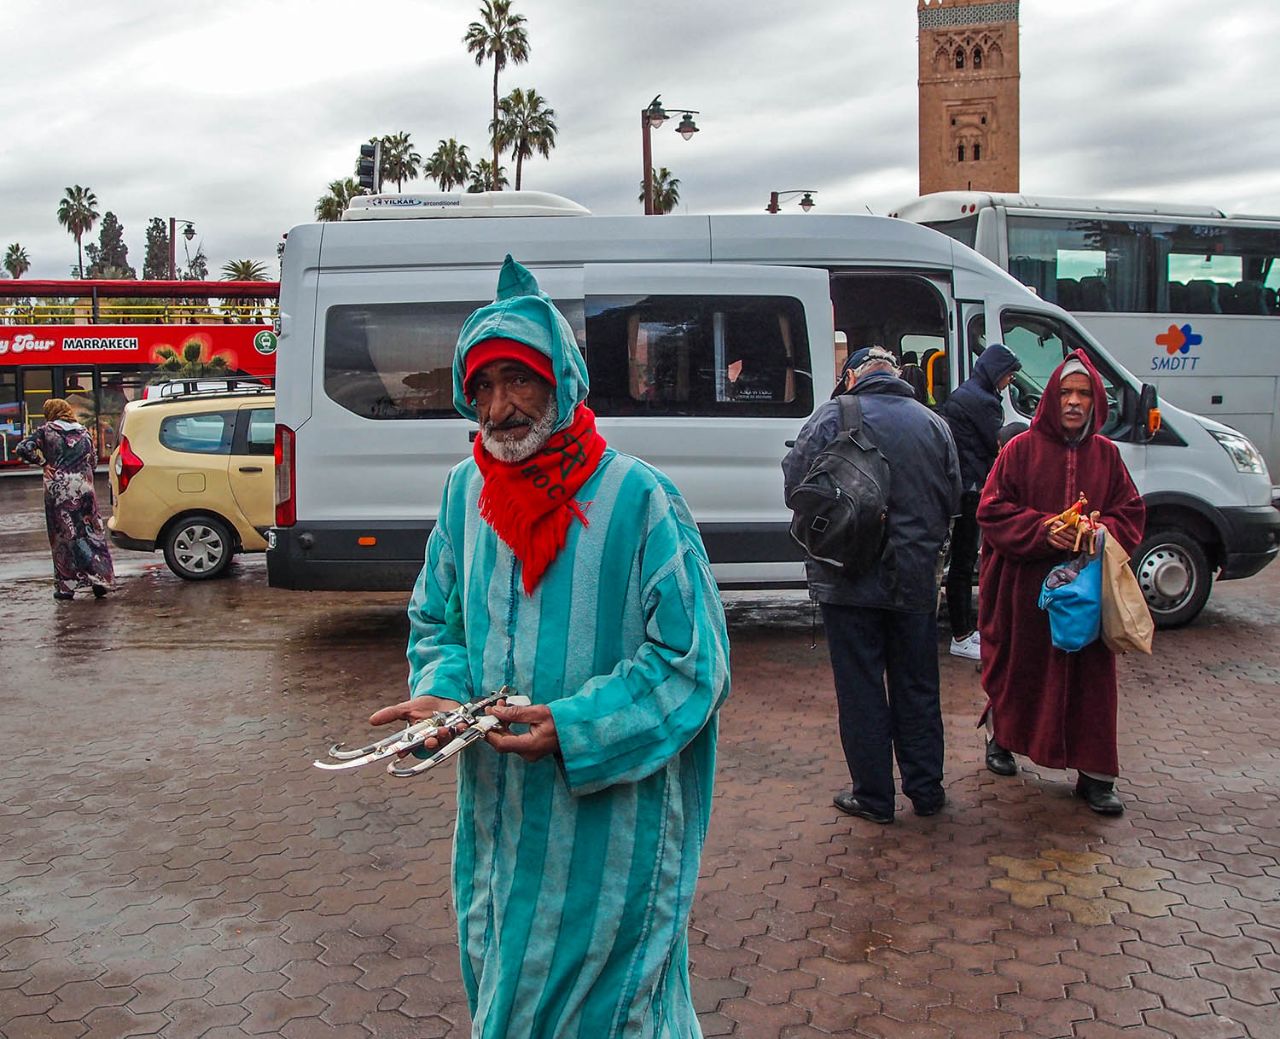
x,y
188,232
651,118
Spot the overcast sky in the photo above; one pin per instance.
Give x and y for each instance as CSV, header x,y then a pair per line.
x,y
236,115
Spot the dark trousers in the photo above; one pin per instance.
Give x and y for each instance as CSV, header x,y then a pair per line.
x,y
880,719
964,556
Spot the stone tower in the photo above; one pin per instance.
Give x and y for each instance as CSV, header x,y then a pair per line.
x,y
968,95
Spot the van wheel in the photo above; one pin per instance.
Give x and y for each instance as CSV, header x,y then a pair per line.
x,y
198,548
1174,575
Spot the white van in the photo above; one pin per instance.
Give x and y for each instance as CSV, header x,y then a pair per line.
x,y
709,341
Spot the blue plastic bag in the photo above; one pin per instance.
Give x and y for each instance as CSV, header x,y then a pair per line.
x,y
1072,596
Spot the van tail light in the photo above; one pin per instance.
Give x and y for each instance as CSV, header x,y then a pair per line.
x,y
128,464
286,502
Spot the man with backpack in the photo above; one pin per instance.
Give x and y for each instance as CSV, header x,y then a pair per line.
x,y
879,606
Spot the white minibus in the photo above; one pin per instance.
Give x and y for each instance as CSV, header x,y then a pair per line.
x,y
709,341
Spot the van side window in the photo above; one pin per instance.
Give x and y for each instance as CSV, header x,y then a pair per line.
x,y
203,434
698,355
395,360
1041,343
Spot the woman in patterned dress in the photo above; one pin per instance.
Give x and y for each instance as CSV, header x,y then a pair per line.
x,y
63,448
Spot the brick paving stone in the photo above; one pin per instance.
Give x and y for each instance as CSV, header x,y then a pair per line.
x,y
1203,1026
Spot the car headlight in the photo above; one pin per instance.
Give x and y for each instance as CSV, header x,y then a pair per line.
x,y
1244,455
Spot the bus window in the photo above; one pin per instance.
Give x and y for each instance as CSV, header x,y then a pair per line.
x,y
1079,264
1042,343
1212,269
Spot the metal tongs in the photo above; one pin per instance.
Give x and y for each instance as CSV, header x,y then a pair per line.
x,y
441,723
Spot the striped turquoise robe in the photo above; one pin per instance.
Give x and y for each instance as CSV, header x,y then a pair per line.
x,y
573,876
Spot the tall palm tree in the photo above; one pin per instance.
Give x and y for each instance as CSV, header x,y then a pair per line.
x,y
77,212
499,36
449,164
16,261
334,204
526,124
666,191
399,161
482,178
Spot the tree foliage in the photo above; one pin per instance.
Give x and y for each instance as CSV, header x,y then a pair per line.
x,y
78,212
449,164
666,191
499,36
110,257
16,260
189,362
400,162
526,125
332,205
482,178
156,263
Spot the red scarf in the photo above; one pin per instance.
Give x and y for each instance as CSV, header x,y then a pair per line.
x,y
529,504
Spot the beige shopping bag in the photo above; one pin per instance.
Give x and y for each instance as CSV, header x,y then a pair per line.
x,y
1126,621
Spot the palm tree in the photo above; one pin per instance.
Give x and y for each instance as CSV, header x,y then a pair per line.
x,y
499,36
78,212
526,125
449,164
16,261
399,161
482,178
245,310
334,204
244,270
666,191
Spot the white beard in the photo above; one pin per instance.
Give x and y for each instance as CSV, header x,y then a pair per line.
x,y
511,451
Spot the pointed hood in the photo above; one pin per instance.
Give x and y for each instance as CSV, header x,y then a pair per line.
x,y
994,363
1048,417
523,312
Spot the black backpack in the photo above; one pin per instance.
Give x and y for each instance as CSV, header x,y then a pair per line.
x,y
841,507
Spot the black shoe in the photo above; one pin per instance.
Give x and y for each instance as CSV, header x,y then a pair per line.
x,y
850,805
1000,761
63,596
99,591
929,807
1099,795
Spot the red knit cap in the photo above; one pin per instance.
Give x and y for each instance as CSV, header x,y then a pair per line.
x,y
489,350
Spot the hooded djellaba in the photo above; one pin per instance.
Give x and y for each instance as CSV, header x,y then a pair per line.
x,y
576,577
1057,708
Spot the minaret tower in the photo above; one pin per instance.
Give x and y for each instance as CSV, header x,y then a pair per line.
x,y
968,95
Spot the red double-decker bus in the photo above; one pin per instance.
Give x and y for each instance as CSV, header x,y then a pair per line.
x,y
99,344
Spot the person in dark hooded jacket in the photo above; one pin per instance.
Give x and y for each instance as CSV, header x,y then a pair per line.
x,y
882,625
975,414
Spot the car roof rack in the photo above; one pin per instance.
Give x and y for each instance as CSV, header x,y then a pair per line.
x,y
168,389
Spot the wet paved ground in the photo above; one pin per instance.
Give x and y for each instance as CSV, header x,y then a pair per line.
x,y
171,865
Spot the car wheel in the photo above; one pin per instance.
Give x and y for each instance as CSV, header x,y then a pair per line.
x,y
1174,575
198,548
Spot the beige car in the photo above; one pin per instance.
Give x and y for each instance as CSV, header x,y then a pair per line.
x,y
193,476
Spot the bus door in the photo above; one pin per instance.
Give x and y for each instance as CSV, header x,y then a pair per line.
x,y
78,387
10,415
36,387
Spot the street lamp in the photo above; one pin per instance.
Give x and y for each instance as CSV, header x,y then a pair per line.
x,y
188,232
651,118
806,200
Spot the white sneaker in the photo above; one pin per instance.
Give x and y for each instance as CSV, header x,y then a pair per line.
x,y
969,647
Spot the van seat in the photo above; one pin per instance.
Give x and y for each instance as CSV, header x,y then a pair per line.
x,y
1177,296
1068,294
1094,294
1248,298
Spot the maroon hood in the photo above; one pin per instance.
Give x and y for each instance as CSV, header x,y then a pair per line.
x,y
1048,417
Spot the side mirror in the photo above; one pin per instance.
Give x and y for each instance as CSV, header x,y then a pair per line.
x,y
1148,412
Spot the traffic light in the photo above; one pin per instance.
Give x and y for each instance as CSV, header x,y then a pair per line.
x,y
369,167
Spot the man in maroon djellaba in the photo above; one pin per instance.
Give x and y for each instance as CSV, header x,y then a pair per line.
x,y
1059,709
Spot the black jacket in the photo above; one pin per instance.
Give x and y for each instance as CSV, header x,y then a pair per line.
x,y
924,494
975,414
